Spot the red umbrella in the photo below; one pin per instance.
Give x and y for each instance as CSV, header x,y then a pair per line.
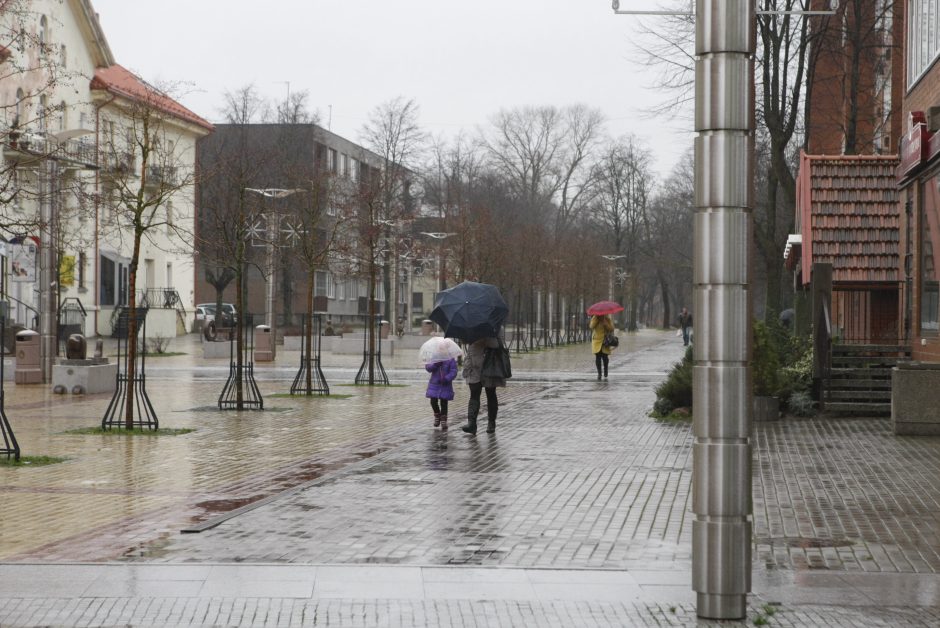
x,y
602,308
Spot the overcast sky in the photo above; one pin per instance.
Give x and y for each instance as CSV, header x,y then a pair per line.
x,y
460,61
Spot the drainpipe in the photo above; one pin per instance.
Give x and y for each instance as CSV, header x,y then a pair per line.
x,y
98,207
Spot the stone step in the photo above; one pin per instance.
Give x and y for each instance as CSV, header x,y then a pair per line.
x,y
854,384
864,361
857,373
870,409
862,396
897,350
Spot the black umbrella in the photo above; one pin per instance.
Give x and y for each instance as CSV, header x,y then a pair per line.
x,y
470,311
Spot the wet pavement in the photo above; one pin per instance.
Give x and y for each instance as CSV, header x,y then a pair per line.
x,y
354,511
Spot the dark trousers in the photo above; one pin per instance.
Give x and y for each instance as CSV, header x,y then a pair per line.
x,y
686,332
491,401
439,405
601,359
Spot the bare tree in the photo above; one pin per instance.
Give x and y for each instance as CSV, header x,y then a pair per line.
x,y
624,190
544,154
392,132
147,169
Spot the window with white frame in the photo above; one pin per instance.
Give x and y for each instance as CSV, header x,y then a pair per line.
x,y
341,290
923,37
353,169
331,160
319,283
63,57
330,286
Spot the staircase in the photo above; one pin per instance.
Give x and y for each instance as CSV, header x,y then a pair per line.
x,y
859,379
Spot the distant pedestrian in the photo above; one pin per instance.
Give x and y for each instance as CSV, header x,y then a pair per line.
x,y
685,324
441,389
329,329
473,374
601,326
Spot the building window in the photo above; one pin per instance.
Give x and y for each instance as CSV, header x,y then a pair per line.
x,y
20,110
331,161
63,57
43,105
43,34
81,269
353,169
341,290
63,116
113,281
169,217
923,41
319,283
929,256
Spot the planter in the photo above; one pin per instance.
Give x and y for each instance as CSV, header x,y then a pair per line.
x,y
766,408
915,399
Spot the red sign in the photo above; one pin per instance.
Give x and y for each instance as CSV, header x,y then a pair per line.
x,y
913,149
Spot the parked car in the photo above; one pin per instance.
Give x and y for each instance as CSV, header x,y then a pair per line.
x,y
205,313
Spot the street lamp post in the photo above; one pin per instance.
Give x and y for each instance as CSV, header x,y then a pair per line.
x,y
273,223
610,273
442,265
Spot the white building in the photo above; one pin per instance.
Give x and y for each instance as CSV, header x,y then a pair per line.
x,y
90,144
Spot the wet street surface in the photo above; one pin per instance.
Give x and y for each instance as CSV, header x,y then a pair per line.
x,y
576,512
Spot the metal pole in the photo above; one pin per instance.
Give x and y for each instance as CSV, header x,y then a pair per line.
x,y
47,270
721,456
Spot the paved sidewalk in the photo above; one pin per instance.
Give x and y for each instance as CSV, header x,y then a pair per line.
x,y
354,511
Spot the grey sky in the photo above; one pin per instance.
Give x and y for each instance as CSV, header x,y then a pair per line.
x,y
460,61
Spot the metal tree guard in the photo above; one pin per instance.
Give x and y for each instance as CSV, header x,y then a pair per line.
x,y
241,377
318,385
365,374
144,414
10,446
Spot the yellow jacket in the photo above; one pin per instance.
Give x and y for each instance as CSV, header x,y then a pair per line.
x,y
602,325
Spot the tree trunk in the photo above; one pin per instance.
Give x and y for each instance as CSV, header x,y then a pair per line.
x,y
131,336
664,290
239,363
308,336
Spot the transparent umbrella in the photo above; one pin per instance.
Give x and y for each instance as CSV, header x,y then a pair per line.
x,y
439,349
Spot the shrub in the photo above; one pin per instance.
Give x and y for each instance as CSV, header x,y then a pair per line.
x,y
158,343
765,363
801,403
677,389
663,407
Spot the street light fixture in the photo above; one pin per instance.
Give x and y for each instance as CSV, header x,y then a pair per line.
x,y
441,265
272,219
610,275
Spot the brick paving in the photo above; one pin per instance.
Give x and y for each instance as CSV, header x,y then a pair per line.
x,y
577,477
356,613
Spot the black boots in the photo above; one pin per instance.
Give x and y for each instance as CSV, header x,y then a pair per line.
x,y
473,409
491,420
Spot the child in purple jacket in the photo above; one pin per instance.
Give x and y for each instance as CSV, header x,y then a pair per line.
x,y
440,389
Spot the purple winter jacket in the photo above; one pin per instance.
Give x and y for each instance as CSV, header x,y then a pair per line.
x,y
442,374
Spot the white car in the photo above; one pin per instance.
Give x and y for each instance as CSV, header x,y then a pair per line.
x,y
205,313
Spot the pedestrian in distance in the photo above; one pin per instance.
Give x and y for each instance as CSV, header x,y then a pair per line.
x,y
601,326
473,374
685,324
441,389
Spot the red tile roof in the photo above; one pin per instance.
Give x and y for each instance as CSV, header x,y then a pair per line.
x,y
850,215
122,82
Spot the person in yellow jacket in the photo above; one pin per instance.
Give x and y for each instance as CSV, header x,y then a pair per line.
x,y
601,326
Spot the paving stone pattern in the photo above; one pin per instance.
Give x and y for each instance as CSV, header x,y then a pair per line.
x,y
578,476
261,612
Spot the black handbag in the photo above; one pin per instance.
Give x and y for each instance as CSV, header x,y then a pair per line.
x,y
611,340
496,362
